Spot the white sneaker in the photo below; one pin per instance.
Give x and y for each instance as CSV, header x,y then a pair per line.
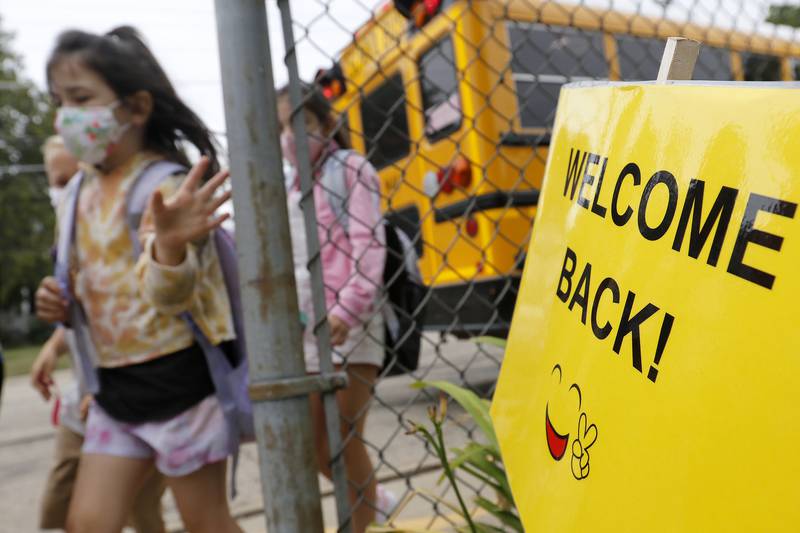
x,y
385,503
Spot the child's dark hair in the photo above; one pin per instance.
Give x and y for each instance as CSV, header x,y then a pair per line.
x,y
126,64
319,106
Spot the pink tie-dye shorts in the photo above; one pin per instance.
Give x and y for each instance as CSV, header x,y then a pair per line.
x,y
180,445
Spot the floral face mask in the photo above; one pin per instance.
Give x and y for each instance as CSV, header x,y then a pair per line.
x,y
89,133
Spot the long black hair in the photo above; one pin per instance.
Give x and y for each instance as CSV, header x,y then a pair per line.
x,y
319,106
127,65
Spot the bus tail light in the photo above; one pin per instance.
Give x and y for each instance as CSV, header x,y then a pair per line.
x,y
458,174
420,11
462,172
331,81
445,180
432,6
471,227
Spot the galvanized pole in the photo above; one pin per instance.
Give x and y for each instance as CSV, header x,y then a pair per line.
x,y
272,320
332,422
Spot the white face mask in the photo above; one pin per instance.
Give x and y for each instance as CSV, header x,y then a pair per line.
x,y
56,194
89,133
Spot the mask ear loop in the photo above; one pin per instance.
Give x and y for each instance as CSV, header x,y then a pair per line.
x,y
122,127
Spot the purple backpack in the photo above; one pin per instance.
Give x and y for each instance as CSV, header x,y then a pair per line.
x,y
230,381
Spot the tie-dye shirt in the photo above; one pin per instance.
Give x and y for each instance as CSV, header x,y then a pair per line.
x,y
132,304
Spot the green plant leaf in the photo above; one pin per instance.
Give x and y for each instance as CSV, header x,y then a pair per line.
x,y
473,449
482,478
477,474
483,527
462,456
437,424
477,408
472,460
493,470
480,460
480,527
438,499
500,489
428,436
507,517
493,341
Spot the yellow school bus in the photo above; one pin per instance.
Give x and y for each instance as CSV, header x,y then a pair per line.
x,y
452,101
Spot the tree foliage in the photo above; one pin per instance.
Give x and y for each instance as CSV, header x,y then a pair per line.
x,y
26,218
786,14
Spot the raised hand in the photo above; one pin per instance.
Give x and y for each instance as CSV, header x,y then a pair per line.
x,y
188,214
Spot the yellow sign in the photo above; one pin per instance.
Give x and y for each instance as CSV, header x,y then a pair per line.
x,y
652,376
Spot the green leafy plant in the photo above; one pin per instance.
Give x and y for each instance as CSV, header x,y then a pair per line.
x,y
479,459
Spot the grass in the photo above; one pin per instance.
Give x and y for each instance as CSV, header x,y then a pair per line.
x,y
19,360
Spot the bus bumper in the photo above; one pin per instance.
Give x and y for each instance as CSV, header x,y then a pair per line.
x,y
480,307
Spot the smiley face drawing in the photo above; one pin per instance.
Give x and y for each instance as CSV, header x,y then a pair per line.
x,y
585,437
556,442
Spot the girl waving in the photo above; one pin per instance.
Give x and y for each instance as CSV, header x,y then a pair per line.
x,y
118,112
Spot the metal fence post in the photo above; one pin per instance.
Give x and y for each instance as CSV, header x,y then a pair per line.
x,y
283,419
332,422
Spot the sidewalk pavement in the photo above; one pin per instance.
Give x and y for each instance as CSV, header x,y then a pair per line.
x,y
26,448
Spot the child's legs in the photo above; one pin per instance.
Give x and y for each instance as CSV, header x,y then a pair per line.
x,y
61,481
202,500
353,405
146,516
191,451
104,491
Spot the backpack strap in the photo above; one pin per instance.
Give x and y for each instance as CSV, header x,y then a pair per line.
x,y
139,194
66,235
334,183
84,354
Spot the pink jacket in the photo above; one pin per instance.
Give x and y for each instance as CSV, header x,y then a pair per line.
x,y
352,261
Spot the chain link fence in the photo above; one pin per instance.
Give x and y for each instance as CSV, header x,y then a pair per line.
x,y
452,103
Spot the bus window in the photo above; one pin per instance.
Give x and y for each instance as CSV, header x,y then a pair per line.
x,y
795,63
761,67
713,64
544,58
639,57
385,124
441,102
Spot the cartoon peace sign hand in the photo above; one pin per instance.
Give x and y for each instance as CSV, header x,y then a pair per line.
x,y
586,437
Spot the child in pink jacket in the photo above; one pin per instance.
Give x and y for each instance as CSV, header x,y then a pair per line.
x,y
353,253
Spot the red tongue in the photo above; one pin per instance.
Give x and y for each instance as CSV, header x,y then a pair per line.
x,y
555,442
